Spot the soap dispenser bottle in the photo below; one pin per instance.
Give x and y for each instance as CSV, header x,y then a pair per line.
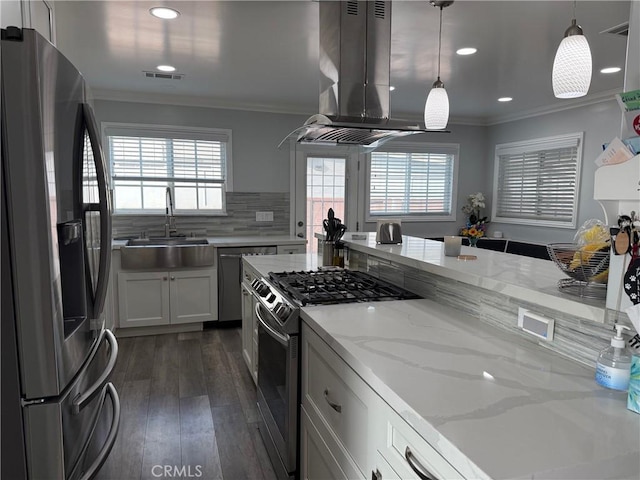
x,y
614,363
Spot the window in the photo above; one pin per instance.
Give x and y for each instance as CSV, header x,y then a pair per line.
x,y
145,160
536,182
413,181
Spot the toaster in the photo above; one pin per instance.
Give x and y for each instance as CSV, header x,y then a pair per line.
x,y
389,233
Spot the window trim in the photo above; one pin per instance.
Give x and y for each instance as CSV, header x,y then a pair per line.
x,y
557,141
417,147
170,131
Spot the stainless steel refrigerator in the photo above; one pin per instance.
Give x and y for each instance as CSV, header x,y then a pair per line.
x,y
60,413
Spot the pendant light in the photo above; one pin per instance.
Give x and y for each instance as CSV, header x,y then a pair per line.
x,y
572,66
436,108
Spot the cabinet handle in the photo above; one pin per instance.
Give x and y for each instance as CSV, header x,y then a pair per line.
x,y
336,406
416,467
376,475
172,277
164,278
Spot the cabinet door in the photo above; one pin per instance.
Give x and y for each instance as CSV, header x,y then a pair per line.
x,y
247,327
193,296
316,461
143,299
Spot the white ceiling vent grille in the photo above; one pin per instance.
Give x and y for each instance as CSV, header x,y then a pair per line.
x,y
622,29
164,76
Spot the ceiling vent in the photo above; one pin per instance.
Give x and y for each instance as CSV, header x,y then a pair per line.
x,y
622,30
164,76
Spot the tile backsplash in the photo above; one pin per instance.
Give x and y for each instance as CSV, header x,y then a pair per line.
x,y
240,219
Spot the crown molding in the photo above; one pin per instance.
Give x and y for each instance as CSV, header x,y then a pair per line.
x,y
209,102
192,101
546,110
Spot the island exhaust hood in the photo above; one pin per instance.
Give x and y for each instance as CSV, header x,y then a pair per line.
x,y
355,58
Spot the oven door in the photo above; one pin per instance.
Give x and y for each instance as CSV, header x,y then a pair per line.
x,y
278,385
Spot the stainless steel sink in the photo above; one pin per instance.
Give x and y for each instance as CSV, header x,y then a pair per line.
x,y
166,252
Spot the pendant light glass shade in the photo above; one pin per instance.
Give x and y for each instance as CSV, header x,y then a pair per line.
x,y
436,108
572,66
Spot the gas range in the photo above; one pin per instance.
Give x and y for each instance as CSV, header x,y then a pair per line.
x,y
282,294
278,300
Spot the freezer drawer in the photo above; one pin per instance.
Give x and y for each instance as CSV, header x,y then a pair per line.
x,y
59,434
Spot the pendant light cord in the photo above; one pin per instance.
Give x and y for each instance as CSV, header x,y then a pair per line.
x,y
439,43
574,8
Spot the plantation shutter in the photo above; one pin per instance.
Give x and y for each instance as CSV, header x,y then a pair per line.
x,y
538,183
411,183
142,167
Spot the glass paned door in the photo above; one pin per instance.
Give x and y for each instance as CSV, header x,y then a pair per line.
x,y
326,188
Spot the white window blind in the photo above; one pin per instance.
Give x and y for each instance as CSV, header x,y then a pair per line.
x,y
537,181
406,184
142,167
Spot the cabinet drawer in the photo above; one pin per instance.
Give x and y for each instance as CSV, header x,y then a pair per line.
x,y
336,398
400,436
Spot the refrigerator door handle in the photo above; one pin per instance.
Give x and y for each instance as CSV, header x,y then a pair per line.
x,y
82,400
94,468
104,207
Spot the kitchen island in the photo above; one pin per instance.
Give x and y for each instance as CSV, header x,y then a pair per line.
x,y
490,403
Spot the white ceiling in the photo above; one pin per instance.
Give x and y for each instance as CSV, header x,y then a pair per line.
x,y
263,55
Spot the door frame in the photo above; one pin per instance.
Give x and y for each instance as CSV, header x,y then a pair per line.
x,y
354,185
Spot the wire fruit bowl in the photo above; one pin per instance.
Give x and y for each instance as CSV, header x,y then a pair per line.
x,y
587,267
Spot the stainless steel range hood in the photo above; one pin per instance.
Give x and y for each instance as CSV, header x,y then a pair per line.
x,y
355,58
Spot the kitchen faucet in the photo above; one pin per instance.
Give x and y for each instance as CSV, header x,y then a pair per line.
x,y
170,221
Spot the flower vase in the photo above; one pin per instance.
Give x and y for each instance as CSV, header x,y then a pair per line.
x,y
473,242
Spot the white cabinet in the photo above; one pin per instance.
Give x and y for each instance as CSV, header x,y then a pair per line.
x,y
349,431
287,249
36,14
249,323
153,298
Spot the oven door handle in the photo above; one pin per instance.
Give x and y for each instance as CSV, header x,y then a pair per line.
x,y
282,339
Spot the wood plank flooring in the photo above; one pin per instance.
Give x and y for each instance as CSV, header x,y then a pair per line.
x,y
187,401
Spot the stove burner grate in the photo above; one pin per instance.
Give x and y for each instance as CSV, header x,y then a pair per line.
x,y
323,287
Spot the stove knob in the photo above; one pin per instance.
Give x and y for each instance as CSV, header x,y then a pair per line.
x,y
271,297
285,311
263,290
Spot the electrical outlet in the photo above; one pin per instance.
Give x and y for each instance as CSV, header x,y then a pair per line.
x,y
536,324
264,216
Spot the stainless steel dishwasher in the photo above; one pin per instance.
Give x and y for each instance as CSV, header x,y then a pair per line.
x,y
230,279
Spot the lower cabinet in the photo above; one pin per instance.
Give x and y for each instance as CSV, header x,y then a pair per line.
x,y
167,298
349,431
249,322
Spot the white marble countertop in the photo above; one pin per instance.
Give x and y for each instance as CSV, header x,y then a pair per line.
x,y
530,279
242,241
492,404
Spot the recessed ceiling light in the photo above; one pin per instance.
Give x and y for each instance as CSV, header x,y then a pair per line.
x,y
164,13
505,99
166,68
391,88
466,51
610,70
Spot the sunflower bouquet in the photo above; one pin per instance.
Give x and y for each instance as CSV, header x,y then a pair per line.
x,y
474,230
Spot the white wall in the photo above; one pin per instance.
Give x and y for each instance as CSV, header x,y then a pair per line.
x,y
258,165
600,123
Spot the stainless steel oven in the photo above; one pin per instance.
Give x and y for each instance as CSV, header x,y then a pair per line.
x,y
278,389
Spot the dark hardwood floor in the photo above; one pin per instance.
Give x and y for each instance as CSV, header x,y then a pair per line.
x,y
187,401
